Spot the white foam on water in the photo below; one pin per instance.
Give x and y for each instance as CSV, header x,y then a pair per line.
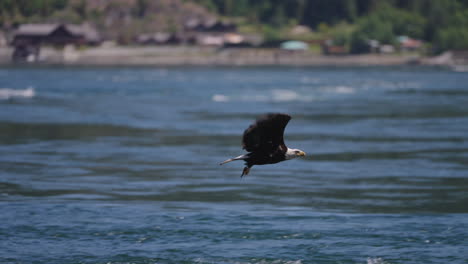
x,y
283,95
341,89
388,85
279,95
253,261
7,93
376,261
275,95
309,80
294,262
220,98
344,90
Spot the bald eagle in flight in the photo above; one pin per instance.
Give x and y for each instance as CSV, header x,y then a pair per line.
x,y
264,142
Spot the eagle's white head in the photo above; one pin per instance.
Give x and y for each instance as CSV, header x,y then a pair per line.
x,y
294,153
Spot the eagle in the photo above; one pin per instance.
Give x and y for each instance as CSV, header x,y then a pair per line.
x,y
263,140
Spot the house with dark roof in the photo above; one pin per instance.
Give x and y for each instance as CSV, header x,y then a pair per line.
x,y
55,34
39,34
28,38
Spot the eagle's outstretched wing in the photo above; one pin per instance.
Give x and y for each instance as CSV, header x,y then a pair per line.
x,y
266,134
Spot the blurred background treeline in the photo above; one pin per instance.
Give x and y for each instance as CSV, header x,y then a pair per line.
x,y
441,24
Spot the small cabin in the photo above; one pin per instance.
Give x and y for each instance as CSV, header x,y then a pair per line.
x,y
29,38
55,34
39,34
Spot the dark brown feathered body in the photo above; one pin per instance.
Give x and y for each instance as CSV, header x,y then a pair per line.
x,y
264,142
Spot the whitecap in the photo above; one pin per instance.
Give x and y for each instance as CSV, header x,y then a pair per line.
x,y
275,95
7,93
253,261
309,80
376,261
344,89
280,95
390,85
340,89
220,98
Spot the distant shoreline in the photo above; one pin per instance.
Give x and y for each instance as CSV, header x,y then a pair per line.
x,y
207,56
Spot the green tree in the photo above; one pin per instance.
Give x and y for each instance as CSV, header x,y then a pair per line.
x,y
15,11
454,35
439,14
359,43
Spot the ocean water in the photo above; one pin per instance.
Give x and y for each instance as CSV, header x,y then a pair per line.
x,y
120,165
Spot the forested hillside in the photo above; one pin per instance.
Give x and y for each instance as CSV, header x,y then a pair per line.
x,y
443,23
440,23
120,20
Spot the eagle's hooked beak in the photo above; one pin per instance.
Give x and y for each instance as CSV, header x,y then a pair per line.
x,y
301,154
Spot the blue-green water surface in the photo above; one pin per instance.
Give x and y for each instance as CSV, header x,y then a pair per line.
x,y
120,165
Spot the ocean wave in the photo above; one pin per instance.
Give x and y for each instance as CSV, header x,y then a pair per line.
x,y
389,85
340,89
280,95
303,94
7,93
376,261
220,98
254,261
275,95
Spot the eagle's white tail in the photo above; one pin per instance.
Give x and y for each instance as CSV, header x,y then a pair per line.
x,y
241,157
